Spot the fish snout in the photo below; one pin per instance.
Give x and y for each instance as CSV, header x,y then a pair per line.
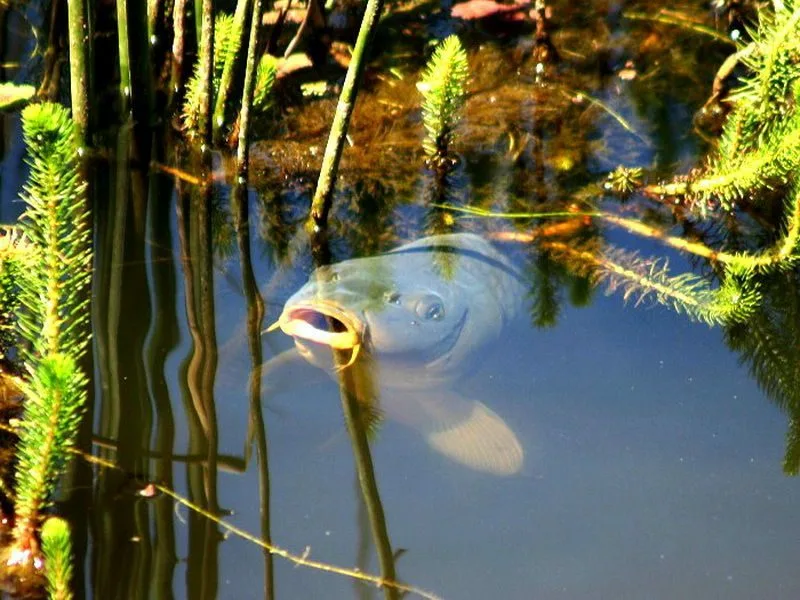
x,y
324,324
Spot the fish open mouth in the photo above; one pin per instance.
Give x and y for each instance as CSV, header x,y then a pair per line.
x,y
325,324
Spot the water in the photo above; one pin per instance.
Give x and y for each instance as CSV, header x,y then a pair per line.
x,y
653,469
653,459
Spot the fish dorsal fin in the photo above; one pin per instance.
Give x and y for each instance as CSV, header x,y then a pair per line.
x,y
466,431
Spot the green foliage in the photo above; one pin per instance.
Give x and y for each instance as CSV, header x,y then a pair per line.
x,y
226,43
760,144
641,279
14,257
53,316
443,88
546,274
57,549
55,396
624,180
53,294
266,74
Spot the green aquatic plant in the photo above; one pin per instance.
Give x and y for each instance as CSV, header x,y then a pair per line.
x,y
78,74
232,59
443,89
226,44
53,316
640,279
15,251
323,194
759,149
56,222
266,75
767,346
57,550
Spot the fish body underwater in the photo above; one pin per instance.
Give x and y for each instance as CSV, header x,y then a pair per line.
x,y
417,320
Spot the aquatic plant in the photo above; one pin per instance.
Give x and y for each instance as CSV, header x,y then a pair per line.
x,y
226,42
53,314
640,279
257,87
14,252
232,56
757,157
266,75
759,148
767,346
443,89
323,193
57,550
78,75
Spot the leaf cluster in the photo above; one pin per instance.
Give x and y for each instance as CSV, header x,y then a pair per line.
x,y
55,396
227,36
266,75
760,144
56,223
757,156
57,549
443,89
641,279
226,43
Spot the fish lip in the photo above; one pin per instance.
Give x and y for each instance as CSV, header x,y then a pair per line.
x,y
294,317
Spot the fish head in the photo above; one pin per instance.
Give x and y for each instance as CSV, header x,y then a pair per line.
x,y
398,315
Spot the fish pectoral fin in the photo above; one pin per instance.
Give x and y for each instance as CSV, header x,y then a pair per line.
x,y
466,431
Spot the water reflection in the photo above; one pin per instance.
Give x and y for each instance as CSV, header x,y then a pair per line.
x,y
767,344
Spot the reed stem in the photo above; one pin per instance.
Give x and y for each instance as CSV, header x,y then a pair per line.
x,y
206,70
178,78
124,55
232,63
323,195
79,83
247,92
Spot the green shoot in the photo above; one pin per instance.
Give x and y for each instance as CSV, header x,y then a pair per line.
x,y
443,89
266,74
226,42
57,549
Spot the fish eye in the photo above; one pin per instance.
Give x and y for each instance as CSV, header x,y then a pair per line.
x,y
430,308
435,312
392,297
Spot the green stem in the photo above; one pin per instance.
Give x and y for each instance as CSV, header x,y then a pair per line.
x,y
79,83
206,70
323,196
239,19
124,54
249,87
178,45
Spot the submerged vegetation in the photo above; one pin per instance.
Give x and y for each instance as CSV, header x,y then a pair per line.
x,y
474,147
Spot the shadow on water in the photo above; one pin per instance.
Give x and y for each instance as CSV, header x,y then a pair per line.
x,y
544,454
